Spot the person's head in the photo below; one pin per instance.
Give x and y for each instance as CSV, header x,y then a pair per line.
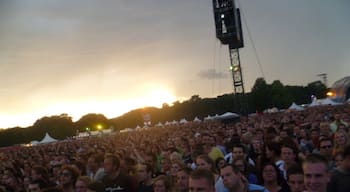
x,y
111,164
219,162
315,134
205,162
338,159
202,180
340,138
257,145
231,177
37,185
39,172
176,166
295,178
316,175
94,162
271,173
288,153
182,179
82,184
144,172
68,175
150,158
238,151
326,146
241,164
161,184
206,139
273,150
324,128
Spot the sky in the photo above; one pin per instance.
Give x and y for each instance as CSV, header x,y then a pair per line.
x,y
112,56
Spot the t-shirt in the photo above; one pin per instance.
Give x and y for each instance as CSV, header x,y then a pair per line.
x,y
121,183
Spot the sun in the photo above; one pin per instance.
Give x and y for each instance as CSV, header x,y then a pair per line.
x,y
157,98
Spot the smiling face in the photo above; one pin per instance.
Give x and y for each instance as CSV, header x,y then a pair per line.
x,y
316,177
340,138
269,173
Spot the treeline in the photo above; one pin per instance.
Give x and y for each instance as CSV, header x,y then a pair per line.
x,y
262,96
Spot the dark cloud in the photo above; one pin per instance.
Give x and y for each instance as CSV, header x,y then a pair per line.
x,y
212,74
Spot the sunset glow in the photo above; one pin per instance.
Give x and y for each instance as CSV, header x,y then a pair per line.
x,y
150,96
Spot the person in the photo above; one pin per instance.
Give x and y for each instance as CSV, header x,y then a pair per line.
x,y
40,173
210,148
182,177
316,174
201,180
68,178
295,178
82,184
339,181
205,162
341,139
36,186
273,154
114,179
238,152
162,184
247,170
95,167
326,149
219,163
338,159
144,176
236,182
288,154
272,178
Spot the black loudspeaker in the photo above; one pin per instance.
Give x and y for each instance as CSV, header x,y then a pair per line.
x,y
228,23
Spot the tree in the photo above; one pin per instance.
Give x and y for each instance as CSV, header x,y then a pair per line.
x,y
261,94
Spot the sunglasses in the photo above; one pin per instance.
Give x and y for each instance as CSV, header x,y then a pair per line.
x,y
326,147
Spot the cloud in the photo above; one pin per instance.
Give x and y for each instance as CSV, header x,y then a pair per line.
x,y
212,74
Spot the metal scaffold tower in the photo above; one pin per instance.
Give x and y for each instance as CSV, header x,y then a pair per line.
x,y
229,32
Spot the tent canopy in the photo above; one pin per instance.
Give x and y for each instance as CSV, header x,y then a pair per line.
x,y
294,106
196,119
183,121
47,139
228,115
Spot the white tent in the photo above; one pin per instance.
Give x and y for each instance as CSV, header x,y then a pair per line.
x,y
296,107
159,124
167,123
106,131
196,119
228,115
47,139
329,101
174,122
183,121
126,130
34,142
208,118
315,103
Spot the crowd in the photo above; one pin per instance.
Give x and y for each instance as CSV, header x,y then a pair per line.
x,y
290,151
